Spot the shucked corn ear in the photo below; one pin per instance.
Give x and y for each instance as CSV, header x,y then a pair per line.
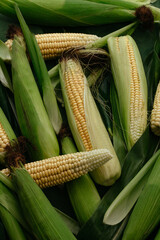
x,y
31,113
54,44
84,119
76,13
155,115
57,170
42,218
131,86
145,215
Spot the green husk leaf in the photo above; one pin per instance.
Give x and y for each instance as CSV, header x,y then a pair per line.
x,y
141,152
6,105
73,13
102,42
6,125
6,181
42,75
82,191
31,113
153,71
2,231
5,54
118,138
41,216
145,215
72,224
124,202
157,236
10,202
4,76
54,75
13,228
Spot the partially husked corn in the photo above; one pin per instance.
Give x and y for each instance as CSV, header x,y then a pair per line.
x,y
155,115
4,140
131,86
137,111
84,119
60,169
54,44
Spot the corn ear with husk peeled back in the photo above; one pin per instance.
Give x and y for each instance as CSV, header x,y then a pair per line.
x,y
155,114
52,45
82,192
31,113
131,85
42,218
145,215
6,135
83,116
77,13
57,170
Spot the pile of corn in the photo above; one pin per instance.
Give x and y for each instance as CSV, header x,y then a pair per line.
x,y
42,155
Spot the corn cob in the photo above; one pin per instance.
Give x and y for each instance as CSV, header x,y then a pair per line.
x,y
83,117
131,86
155,115
145,216
82,192
57,170
32,116
52,45
76,13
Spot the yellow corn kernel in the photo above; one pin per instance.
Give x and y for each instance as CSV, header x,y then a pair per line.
x,y
57,170
155,115
54,44
4,140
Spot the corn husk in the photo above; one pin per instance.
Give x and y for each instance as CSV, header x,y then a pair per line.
x,y
76,13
